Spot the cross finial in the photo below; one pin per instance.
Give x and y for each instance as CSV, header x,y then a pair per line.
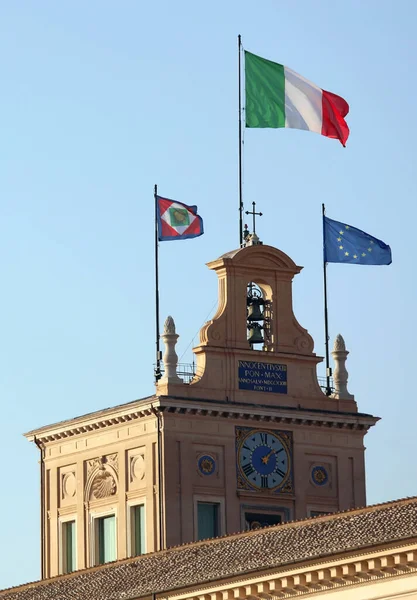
x,y
253,213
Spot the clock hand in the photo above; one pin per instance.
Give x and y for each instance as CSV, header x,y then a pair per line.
x,y
266,458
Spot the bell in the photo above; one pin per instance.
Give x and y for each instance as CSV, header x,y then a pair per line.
x,y
255,335
254,309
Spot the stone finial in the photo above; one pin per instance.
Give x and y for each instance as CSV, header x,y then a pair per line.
x,y
169,325
253,240
170,358
340,374
339,344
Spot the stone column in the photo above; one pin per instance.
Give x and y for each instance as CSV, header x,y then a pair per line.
x,y
170,358
340,374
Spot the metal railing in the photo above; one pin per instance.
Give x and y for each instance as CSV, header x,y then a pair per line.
x,y
323,383
188,372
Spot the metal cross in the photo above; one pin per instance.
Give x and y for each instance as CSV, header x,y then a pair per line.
x,y
253,213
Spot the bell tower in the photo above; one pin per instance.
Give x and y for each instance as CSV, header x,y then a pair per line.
x,y
270,364
250,440
253,439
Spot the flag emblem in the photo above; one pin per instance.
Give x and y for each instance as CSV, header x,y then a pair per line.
x,y
177,221
179,217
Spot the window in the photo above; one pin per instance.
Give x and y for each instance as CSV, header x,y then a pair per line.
x,y
208,514
105,531
320,513
68,547
137,521
256,520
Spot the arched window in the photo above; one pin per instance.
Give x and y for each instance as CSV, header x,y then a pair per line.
x,y
258,316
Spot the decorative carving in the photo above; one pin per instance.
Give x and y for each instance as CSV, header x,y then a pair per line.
x,y
169,325
93,464
339,344
319,475
340,374
100,461
137,468
215,335
304,343
69,485
104,485
113,461
206,464
169,337
102,473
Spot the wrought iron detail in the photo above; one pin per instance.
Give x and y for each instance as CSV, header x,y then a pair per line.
x,y
186,371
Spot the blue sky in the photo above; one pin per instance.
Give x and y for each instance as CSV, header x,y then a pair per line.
x,y
101,100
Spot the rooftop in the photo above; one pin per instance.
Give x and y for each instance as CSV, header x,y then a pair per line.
x,y
215,560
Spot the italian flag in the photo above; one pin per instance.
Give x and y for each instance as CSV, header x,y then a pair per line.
x,y
276,96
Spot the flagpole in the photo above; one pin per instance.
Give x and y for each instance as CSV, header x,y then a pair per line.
x,y
239,44
326,318
158,353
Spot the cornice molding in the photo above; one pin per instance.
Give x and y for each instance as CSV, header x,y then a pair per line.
x,y
169,404
270,414
93,422
285,582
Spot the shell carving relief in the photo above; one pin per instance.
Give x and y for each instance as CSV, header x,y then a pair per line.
x,y
102,474
104,485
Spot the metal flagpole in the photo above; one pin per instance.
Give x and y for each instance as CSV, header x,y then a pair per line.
x,y
326,318
239,44
158,352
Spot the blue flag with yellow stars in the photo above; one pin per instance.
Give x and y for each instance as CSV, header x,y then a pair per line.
x,y
345,244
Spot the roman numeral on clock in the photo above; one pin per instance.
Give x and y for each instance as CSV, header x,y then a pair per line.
x,y
264,481
264,438
280,472
248,470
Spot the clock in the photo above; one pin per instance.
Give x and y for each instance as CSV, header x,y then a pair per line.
x,y
264,459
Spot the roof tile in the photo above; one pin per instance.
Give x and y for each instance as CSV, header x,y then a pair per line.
x,y
216,559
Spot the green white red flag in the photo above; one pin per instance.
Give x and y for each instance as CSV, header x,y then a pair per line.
x,y
277,96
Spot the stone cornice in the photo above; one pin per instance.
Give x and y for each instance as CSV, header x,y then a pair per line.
x,y
146,407
93,421
268,414
331,574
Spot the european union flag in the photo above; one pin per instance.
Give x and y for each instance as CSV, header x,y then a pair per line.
x,y
346,244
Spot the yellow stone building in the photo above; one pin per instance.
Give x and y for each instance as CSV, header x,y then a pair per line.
x,y
131,495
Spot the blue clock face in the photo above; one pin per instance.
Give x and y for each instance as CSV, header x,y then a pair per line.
x,y
263,459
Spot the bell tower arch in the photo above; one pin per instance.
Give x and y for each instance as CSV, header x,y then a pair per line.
x,y
255,323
